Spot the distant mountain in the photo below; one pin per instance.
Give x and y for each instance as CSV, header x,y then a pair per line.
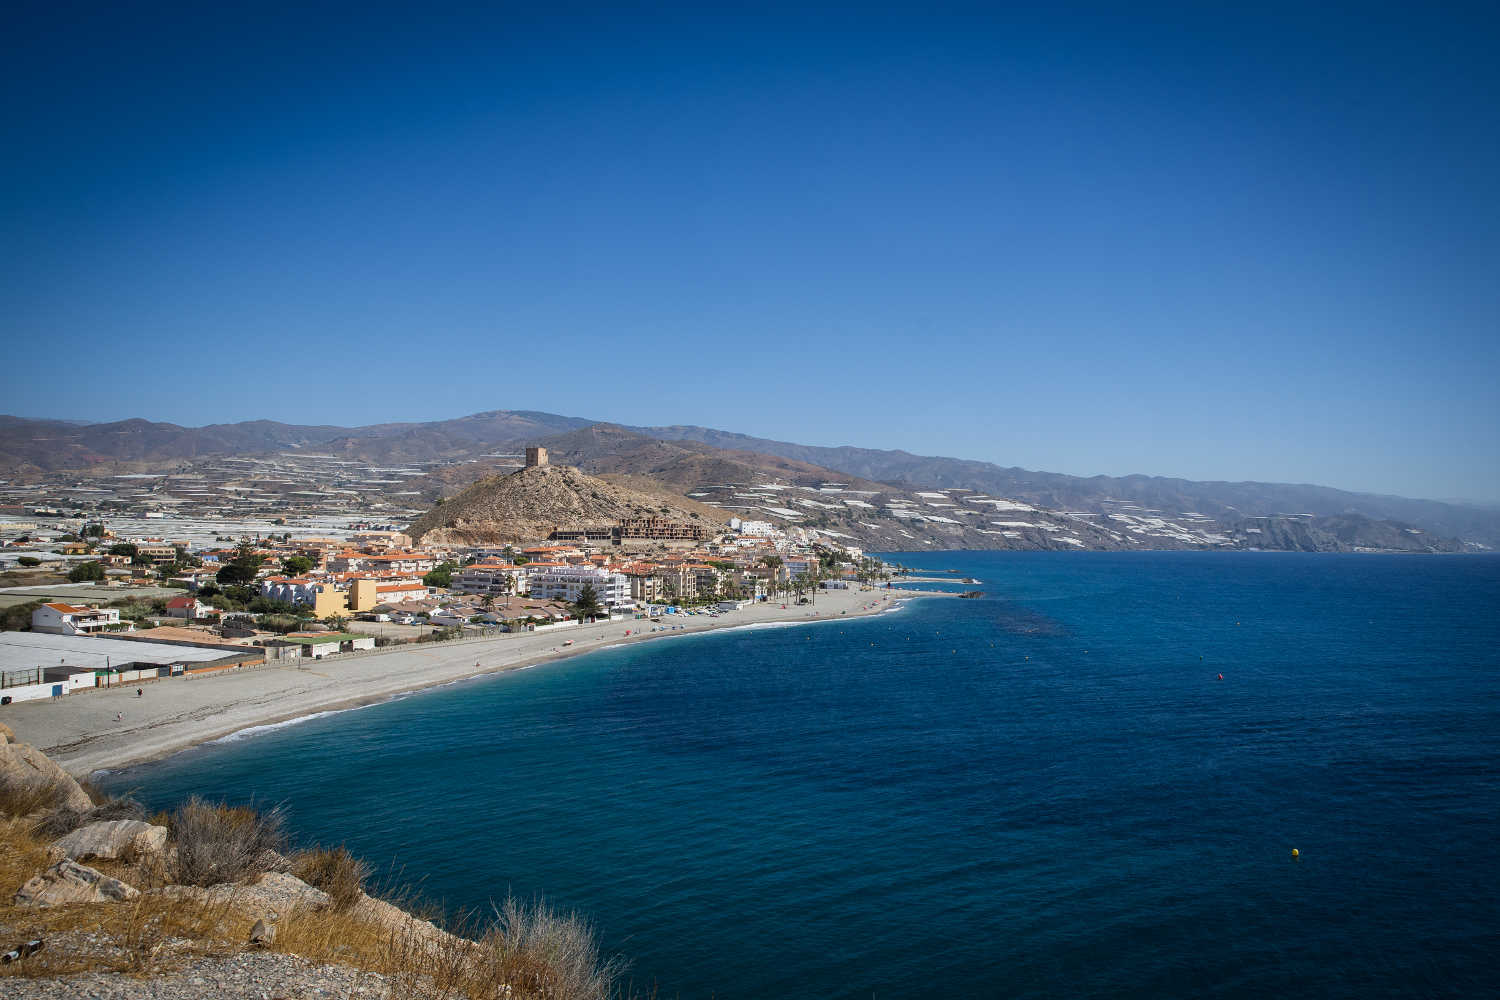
x,y
29,447
37,446
1223,501
684,458
683,465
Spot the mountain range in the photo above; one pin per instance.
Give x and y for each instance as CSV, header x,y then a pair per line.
x,y
687,458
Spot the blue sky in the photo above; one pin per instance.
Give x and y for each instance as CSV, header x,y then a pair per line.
x,y
1089,239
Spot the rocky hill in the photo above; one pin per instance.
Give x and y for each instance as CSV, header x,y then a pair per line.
x,y
529,503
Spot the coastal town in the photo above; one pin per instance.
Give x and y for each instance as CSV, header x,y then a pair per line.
x,y
119,607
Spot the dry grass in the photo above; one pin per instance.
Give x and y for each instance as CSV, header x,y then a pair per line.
x,y
335,871
219,843
23,798
528,952
126,937
61,822
540,952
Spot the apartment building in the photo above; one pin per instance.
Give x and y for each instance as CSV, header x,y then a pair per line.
x,y
490,577
565,583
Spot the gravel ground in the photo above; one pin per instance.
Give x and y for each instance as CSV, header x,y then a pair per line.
x,y
247,976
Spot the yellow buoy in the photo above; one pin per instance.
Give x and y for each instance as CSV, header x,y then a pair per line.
x,y
1296,853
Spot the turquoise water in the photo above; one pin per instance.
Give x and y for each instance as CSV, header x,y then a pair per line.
x,y
1046,791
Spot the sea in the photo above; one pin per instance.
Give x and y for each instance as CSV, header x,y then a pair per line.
x,y
1112,775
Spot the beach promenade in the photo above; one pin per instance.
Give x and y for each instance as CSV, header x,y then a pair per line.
x,y
80,732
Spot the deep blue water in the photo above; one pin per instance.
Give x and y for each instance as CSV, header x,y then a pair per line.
x,y
1043,792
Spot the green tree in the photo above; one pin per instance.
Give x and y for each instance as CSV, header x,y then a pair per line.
x,y
440,576
296,565
241,570
123,549
17,617
587,606
29,561
87,571
93,530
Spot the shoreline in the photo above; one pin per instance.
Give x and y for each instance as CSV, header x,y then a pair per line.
x,y
80,734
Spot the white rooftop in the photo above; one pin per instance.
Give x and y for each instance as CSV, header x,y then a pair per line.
x,y
27,650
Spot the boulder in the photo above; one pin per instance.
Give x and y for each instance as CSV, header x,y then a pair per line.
x,y
403,925
7,734
24,764
263,934
271,897
111,839
70,882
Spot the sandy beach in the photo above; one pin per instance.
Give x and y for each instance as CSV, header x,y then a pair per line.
x,y
80,732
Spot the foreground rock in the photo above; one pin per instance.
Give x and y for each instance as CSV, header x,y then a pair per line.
x,y
70,882
111,840
272,896
24,764
405,927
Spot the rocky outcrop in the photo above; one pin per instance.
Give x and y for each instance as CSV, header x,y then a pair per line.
x,y
272,896
111,840
529,504
24,764
402,925
70,882
7,734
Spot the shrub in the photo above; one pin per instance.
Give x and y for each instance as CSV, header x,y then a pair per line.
x,y
335,871
24,797
29,561
221,843
86,571
541,952
61,822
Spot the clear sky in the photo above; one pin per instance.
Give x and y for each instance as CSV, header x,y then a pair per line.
x,y
1175,240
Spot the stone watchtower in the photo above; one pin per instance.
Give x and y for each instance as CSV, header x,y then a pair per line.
x,y
536,456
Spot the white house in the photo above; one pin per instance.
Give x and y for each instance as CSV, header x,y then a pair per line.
x,y
67,619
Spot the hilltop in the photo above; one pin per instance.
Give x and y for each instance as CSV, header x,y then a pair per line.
x,y
530,503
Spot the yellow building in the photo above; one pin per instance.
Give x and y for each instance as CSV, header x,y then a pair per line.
x,y
329,600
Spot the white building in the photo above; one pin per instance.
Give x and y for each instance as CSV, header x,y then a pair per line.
x,y
290,590
799,565
565,583
68,619
490,577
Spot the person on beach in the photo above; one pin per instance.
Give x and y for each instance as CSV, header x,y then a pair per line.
x,y
139,693
119,717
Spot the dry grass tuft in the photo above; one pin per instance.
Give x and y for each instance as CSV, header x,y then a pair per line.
x,y
335,871
540,952
61,822
23,798
219,843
